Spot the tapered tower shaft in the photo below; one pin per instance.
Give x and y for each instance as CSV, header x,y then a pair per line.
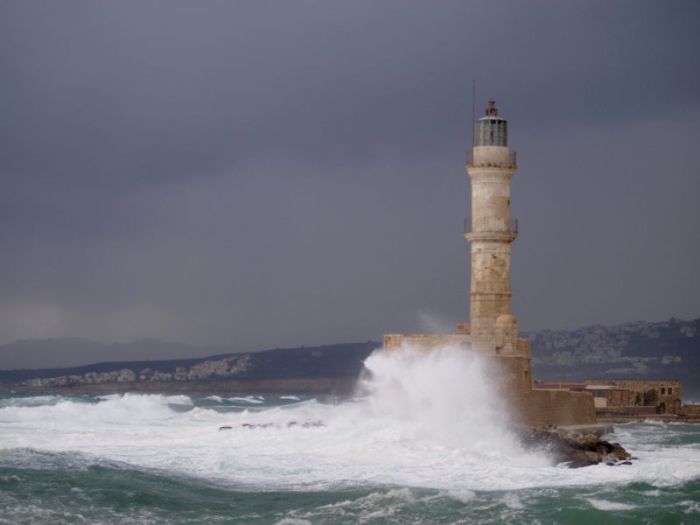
x,y
491,230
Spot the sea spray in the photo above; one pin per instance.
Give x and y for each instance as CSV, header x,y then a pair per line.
x,y
445,395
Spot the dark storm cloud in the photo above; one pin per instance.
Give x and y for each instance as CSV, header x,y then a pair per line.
x,y
278,173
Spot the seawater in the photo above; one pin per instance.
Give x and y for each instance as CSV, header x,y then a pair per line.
x,y
424,440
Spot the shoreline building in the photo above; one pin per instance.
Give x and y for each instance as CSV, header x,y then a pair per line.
x,y
493,329
628,399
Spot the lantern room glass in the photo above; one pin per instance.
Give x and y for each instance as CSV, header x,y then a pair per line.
x,y
491,132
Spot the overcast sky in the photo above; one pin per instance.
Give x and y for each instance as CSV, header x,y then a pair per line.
x,y
260,174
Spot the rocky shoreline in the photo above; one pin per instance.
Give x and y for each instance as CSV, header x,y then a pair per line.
x,y
574,448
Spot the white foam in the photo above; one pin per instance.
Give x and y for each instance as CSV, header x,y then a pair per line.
x,y
512,501
655,422
465,496
421,420
375,505
602,504
248,399
30,401
693,507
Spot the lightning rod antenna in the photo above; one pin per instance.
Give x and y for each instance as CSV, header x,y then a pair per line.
x,y
473,113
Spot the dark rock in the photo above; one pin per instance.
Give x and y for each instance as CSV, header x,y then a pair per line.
x,y
306,424
291,424
259,425
574,449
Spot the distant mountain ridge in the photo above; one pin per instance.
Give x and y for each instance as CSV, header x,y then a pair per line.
x,y
340,361
637,350
74,352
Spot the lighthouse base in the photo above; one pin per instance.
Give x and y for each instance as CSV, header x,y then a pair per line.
x,y
508,364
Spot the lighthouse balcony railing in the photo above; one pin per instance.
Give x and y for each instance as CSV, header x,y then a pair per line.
x,y
512,228
510,162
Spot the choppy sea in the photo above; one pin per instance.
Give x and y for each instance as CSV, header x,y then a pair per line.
x,y
423,441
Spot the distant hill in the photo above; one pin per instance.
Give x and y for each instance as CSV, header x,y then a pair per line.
x,y
637,350
71,352
330,362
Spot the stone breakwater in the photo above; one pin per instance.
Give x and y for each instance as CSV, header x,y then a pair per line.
x,y
575,449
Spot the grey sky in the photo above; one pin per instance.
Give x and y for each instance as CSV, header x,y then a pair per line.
x,y
261,174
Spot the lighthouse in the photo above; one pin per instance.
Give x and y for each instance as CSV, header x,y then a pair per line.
x,y
492,331
491,231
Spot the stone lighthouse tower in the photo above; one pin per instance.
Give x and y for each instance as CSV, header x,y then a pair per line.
x,y
492,333
491,231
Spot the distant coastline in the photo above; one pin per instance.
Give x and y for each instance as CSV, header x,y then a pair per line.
x,y
341,386
631,351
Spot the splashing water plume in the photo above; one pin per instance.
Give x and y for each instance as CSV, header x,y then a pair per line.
x,y
444,395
